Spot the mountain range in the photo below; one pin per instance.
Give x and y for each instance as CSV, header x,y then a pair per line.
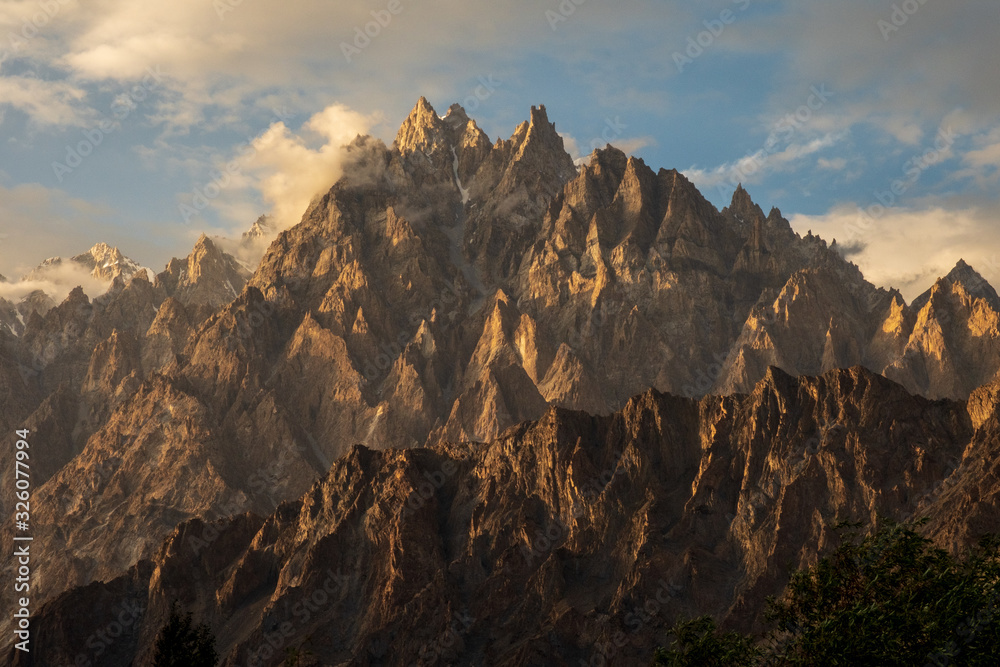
x,y
491,407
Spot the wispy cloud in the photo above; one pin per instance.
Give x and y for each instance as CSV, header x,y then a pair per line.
x,y
911,247
57,281
56,103
224,72
291,169
39,222
753,168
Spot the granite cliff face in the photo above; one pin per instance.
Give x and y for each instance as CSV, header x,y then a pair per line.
x,y
102,265
102,262
447,289
570,538
84,361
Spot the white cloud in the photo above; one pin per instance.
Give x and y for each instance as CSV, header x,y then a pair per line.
x,y
292,169
40,222
571,146
46,102
981,164
57,281
835,164
988,156
944,55
287,169
910,248
753,168
219,63
632,145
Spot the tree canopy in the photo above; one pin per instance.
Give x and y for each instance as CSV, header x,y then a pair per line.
x,y
889,598
181,644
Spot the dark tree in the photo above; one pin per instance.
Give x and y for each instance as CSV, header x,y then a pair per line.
x,y
181,644
890,599
697,643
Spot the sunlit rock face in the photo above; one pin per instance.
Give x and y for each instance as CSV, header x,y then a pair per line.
x,y
469,296
564,538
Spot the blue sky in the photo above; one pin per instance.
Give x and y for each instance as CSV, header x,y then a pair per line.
x,y
819,108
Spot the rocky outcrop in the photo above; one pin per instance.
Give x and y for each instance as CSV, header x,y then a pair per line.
x,y
447,289
943,345
261,230
14,314
103,262
207,280
566,539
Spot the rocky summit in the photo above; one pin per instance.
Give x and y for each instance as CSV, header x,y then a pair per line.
x,y
483,406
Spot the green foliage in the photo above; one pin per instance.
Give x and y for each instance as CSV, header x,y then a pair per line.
x,y
697,643
181,644
294,656
887,599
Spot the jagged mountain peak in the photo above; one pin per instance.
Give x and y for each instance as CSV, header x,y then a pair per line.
x,y
208,278
262,228
966,278
102,250
207,257
108,262
681,187
422,130
456,115
205,244
972,280
636,167
608,157
666,499
76,297
423,105
743,208
542,133
104,263
467,287
539,117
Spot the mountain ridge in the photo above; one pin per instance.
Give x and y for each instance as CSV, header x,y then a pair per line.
x,y
447,289
567,538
